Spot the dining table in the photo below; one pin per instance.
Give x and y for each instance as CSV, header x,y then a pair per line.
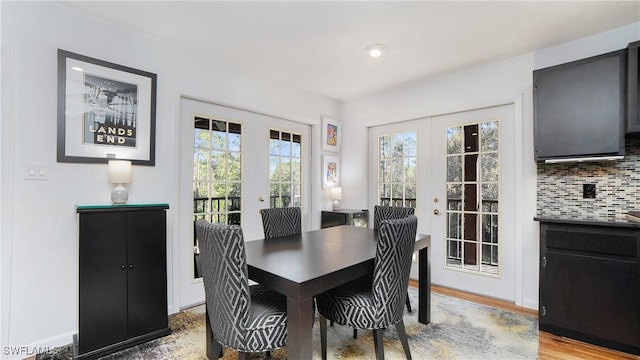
x,y
304,265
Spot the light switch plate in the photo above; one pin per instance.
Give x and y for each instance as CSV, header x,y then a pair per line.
x,y
34,171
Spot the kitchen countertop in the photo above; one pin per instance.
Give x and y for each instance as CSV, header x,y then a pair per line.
x,y
618,221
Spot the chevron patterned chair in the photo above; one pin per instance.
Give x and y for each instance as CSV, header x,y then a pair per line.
x,y
278,222
381,213
378,304
242,317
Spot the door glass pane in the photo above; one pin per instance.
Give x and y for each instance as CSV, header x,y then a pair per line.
x,y
397,169
489,135
454,140
285,169
473,173
489,166
454,254
454,196
454,168
217,173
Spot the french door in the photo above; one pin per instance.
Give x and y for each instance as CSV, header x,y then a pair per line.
x,y
464,196
234,163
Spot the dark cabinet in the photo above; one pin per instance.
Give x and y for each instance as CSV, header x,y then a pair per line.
x,y
590,284
633,85
122,277
344,217
580,108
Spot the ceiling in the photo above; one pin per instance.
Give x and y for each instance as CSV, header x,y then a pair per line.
x,y
320,46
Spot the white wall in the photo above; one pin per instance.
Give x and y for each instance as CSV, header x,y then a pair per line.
x,y
39,222
491,84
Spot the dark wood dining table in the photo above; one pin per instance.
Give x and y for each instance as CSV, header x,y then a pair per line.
x,y
304,265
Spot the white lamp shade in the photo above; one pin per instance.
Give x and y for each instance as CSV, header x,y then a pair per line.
x,y
336,193
119,171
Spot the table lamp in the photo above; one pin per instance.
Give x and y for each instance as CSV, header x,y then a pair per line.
x,y
119,173
336,196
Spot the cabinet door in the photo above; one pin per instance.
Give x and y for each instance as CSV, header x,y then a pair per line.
x,y
146,235
330,219
579,107
102,280
592,295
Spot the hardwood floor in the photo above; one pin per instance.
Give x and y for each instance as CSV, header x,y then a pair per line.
x,y
551,347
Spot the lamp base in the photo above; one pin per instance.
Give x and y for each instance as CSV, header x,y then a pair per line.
x,y
335,205
119,195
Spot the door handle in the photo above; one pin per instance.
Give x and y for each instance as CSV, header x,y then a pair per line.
x,y
436,212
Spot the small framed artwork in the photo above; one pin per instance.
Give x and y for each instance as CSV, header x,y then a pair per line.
x,y
330,171
105,111
331,135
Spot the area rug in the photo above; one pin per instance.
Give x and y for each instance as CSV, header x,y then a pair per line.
x,y
459,329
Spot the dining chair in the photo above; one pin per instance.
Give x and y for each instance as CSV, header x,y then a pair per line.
x,y
381,213
380,303
242,317
278,222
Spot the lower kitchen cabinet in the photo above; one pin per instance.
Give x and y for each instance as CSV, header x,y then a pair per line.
x,y
590,284
122,277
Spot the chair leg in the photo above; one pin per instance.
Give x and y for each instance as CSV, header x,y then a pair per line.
x,y
214,350
243,355
355,333
402,334
378,343
323,336
408,302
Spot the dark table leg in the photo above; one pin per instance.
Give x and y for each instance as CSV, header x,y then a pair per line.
x,y
299,327
424,286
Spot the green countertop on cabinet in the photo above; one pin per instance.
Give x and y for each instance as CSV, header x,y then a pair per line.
x,y
119,207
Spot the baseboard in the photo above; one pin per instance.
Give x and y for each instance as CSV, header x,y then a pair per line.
x,y
14,352
530,304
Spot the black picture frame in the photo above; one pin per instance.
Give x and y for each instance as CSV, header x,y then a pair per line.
x,y
105,110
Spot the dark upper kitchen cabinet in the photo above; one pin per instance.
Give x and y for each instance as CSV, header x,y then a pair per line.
x,y
633,105
580,108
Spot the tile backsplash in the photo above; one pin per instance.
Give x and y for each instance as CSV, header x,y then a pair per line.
x,y
617,187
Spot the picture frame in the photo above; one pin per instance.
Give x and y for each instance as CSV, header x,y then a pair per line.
x,y
331,135
105,110
330,171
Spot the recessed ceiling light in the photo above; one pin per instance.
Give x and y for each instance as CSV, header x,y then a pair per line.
x,y
376,50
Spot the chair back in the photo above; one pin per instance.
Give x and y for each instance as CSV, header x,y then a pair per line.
x,y
390,213
394,250
278,222
226,284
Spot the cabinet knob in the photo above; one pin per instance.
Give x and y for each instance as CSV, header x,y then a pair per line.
x,y
122,267
130,266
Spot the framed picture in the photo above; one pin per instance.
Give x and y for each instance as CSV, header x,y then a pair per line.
x,y
105,111
331,135
330,171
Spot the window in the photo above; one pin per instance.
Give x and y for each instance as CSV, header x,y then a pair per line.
x,y
285,169
397,161
472,197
